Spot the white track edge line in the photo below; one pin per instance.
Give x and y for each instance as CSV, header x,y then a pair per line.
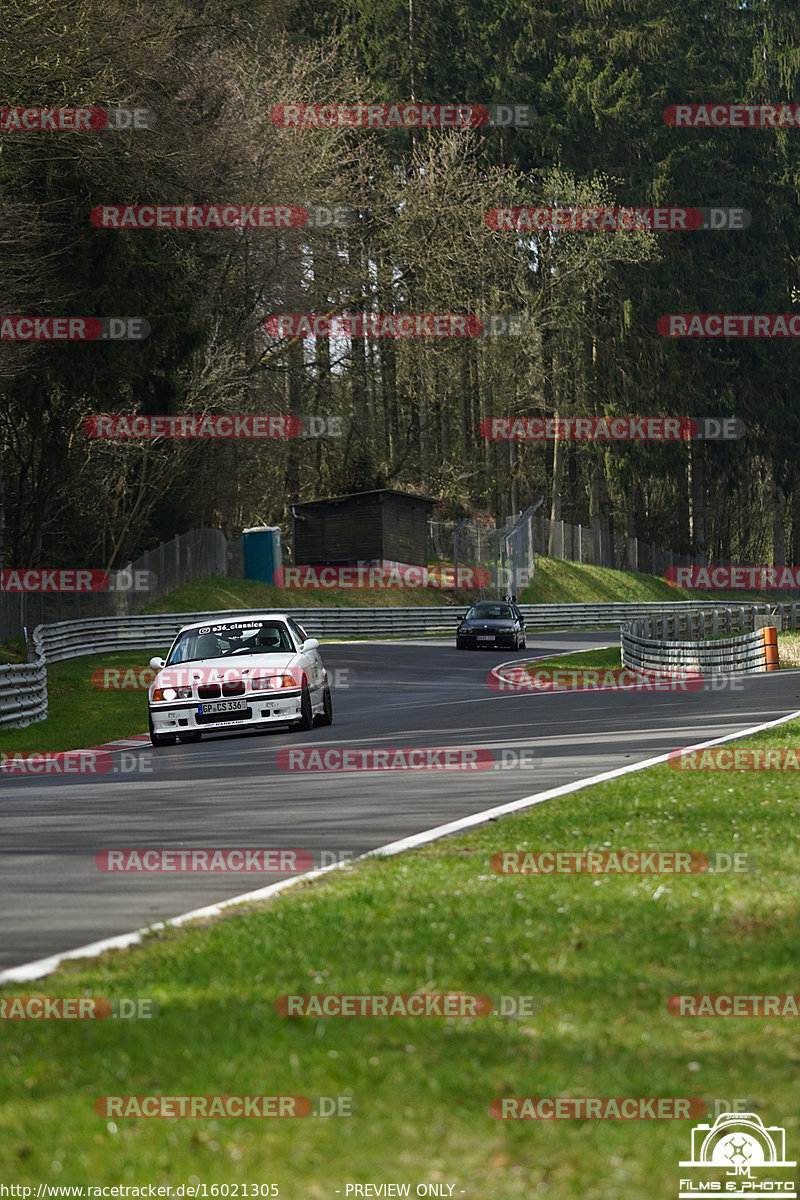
x,y
46,966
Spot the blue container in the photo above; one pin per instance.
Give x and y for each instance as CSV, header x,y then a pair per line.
x,y
262,552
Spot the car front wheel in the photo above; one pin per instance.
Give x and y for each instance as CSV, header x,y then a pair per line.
x,y
306,718
326,716
160,739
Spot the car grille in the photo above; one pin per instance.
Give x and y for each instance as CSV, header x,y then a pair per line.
x,y
245,714
211,691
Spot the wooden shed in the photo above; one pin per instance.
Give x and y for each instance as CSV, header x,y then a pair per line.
x,y
378,527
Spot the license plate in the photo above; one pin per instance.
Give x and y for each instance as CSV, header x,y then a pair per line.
x,y
485,637
221,706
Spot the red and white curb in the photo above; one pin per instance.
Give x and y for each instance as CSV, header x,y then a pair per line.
x,y
515,672
131,743
35,763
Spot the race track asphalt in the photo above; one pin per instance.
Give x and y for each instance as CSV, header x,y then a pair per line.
x,y
230,791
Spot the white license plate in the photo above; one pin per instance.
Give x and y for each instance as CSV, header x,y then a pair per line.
x,y
485,637
221,706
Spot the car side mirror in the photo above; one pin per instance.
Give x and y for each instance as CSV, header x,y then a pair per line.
x,y
156,663
310,644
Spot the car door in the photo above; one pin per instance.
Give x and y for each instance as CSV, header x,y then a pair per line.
x,y
311,659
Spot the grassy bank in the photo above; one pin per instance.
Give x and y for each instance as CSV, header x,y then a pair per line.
x,y
599,955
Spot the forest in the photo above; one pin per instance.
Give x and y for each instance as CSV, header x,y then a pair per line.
x,y
365,225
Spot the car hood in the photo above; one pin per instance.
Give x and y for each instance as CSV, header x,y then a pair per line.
x,y
487,622
217,670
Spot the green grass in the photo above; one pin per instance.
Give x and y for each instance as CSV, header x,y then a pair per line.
x,y
599,954
789,648
81,714
14,650
558,581
218,592
592,660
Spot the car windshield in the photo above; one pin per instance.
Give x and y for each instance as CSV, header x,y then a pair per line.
x,y
230,638
493,612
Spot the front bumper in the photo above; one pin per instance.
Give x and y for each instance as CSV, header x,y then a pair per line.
x,y
498,640
182,716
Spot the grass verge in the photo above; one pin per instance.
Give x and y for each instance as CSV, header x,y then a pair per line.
x,y
600,955
217,593
558,581
83,712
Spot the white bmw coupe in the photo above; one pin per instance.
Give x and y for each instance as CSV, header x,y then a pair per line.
x,y
249,673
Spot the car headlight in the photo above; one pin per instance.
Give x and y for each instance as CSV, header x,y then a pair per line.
x,y
181,693
267,683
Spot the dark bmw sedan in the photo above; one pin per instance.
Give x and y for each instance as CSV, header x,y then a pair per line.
x,y
493,623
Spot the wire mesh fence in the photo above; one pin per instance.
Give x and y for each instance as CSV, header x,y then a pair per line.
x,y
507,555
188,556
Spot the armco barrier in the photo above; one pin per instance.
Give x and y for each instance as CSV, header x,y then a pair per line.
x,y
69,639
749,653
23,696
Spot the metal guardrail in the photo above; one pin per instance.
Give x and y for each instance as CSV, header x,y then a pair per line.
x,y
687,614
704,622
746,654
23,694
70,639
